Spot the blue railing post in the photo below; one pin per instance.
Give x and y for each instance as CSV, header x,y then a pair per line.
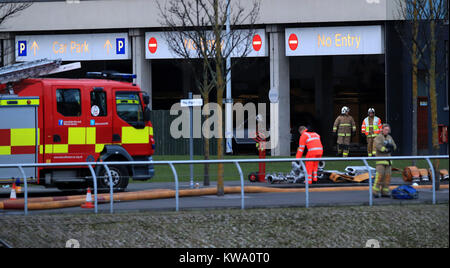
x,y
241,175
95,188
111,189
306,184
370,182
174,171
25,183
433,179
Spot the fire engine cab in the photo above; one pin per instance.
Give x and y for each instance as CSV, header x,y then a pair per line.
x,y
47,120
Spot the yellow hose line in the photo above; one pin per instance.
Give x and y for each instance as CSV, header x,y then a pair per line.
x,y
74,201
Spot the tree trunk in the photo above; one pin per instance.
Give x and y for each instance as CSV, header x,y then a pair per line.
x,y
415,63
220,151
220,86
432,81
414,101
206,144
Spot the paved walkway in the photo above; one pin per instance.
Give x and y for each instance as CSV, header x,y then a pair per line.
x,y
259,200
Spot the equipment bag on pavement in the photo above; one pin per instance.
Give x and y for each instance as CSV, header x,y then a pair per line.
x,y
405,192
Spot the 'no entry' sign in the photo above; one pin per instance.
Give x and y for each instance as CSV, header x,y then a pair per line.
x,y
257,42
152,45
293,42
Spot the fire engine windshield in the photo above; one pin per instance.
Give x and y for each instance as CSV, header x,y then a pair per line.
x,y
129,108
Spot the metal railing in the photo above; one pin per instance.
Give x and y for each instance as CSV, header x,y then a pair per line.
x,y
3,244
236,162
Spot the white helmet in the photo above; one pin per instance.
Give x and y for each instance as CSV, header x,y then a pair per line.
x,y
345,110
371,110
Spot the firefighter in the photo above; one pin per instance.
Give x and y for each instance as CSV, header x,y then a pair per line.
x,y
343,127
384,145
371,127
310,141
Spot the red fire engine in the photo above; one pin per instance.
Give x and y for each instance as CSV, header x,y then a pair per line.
x,y
45,120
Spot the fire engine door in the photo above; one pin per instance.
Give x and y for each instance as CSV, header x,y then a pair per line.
x,y
99,117
67,140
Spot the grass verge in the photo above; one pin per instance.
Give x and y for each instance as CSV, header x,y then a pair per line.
x,y
163,173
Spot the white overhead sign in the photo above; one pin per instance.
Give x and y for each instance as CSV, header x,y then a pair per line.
x,y
191,102
349,40
69,47
158,46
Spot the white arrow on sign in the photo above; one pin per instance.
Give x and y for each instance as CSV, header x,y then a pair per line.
x,y
191,102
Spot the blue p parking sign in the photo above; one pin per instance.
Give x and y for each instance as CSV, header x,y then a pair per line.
x,y
120,45
22,48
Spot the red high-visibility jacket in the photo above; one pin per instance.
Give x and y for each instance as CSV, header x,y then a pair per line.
x,y
311,141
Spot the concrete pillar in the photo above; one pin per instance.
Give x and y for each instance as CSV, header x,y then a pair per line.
x,y
141,67
324,98
8,46
279,80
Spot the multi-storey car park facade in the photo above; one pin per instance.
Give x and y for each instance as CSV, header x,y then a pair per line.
x,y
319,55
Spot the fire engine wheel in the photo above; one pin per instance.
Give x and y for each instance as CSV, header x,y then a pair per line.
x,y
120,178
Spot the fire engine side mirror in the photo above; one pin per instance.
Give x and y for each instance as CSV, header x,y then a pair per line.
x,y
146,98
146,114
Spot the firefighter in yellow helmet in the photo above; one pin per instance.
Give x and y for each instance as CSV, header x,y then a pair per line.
x,y
371,127
384,145
343,127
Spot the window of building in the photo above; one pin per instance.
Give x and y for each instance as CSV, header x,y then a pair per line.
x,y
68,102
422,83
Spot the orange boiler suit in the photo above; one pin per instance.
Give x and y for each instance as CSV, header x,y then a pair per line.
x,y
310,141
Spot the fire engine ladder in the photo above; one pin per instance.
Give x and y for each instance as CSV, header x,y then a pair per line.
x,y
19,71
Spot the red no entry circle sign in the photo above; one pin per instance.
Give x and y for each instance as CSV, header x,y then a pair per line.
x,y
257,42
293,42
152,45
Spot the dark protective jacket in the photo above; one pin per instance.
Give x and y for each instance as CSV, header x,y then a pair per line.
x,y
384,145
344,125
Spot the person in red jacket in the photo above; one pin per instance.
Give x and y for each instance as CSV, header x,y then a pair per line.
x,y
310,141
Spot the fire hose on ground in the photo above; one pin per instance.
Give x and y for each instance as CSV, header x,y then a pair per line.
x,y
44,203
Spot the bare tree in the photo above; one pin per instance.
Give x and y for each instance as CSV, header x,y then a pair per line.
x,y
409,13
195,30
9,10
436,13
423,20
